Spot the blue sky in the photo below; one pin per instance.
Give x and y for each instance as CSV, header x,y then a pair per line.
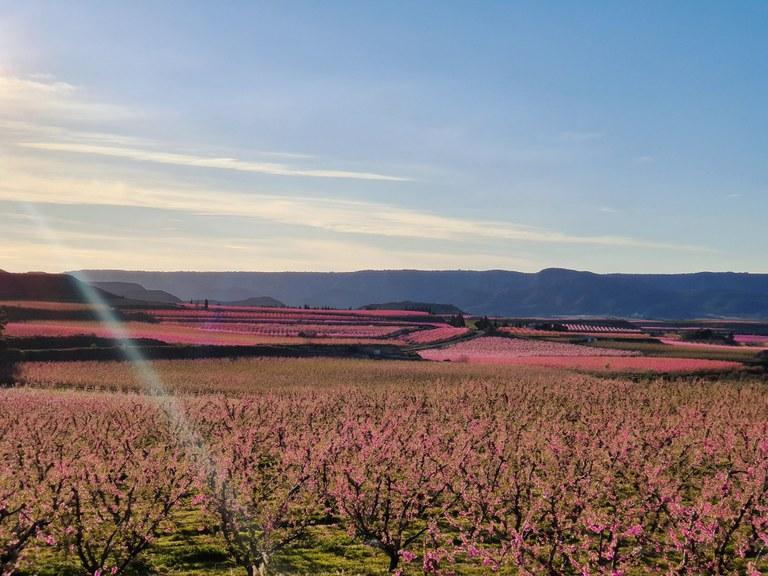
x,y
606,136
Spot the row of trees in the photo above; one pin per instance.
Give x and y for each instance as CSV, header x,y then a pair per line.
x,y
8,362
560,478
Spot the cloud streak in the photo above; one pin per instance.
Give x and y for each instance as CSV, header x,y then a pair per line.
x,y
43,97
189,160
34,106
334,215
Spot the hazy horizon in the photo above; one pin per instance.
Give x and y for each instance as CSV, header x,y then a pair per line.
x,y
352,271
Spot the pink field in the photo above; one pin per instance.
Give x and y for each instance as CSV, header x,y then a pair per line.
x,y
533,333
599,329
296,322
172,334
500,349
704,345
751,340
530,332
231,325
191,312
518,352
612,364
40,305
435,335
328,330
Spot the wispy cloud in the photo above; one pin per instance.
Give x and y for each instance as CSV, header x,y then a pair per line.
x,y
156,156
15,129
43,97
334,215
50,120
54,114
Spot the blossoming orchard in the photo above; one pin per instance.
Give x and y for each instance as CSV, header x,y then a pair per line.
x,y
427,468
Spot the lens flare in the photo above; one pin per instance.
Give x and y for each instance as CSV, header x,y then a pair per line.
x,y
146,374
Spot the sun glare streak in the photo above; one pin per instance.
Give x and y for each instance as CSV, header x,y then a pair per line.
x,y
147,375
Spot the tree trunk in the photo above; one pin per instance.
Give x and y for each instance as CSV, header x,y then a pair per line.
x,y
394,558
259,569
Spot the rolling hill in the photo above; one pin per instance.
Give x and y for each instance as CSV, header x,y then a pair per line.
x,y
42,286
134,291
254,301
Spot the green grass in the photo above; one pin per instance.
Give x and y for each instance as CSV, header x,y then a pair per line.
x,y
189,550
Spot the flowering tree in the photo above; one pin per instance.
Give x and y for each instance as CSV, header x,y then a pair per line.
x,y
618,484
717,519
33,473
259,488
390,481
133,469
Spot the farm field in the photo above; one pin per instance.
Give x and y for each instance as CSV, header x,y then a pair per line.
x,y
621,364
45,305
431,337
202,334
580,345
709,346
321,466
536,333
683,350
233,326
490,347
751,340
529,352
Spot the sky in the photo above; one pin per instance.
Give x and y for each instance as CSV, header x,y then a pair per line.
x,y
338,136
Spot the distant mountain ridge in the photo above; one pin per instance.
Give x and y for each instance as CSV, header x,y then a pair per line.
x,y
430,307
551,292
254,301
134,291
43,286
